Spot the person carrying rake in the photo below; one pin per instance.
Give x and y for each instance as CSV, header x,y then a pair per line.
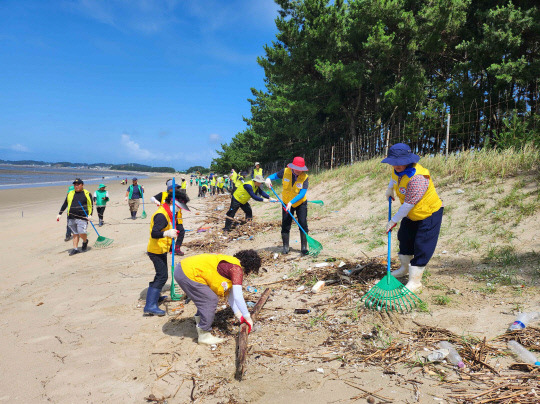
x,y
295,186
420,213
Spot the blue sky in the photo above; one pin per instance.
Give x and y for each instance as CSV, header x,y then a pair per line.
x,y
158,82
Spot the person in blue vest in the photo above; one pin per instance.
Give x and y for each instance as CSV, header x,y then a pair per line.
x,y
240,199
295,186
134,194
78,216
420,213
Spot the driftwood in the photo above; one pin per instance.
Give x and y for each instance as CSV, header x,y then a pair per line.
x,y
242,339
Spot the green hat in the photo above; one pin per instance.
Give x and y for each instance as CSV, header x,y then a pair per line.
x,y
102,186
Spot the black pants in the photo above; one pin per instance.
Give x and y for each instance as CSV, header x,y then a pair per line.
x,y
301,215
235,205
162,270
100,211
181,234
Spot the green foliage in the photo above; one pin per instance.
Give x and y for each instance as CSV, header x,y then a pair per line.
x,y
142,167
340,69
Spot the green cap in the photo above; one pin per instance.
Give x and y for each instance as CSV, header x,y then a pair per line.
x,y
102,186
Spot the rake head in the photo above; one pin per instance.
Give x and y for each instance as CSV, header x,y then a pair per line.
x,y
314,246
103,242
143,216
389,294
318,202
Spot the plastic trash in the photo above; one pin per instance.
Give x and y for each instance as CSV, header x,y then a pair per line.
x,y
322,265
302,311
317,287
523,353
251,289
250,304
438,355
300,288
453,356
523,319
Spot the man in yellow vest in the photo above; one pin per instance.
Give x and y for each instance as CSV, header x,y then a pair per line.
x,y
79,207
240,199
257,170
159,245
184,184
213,185
207,277
295,186
420,213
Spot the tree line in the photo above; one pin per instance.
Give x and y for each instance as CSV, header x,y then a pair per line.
x,y
340,71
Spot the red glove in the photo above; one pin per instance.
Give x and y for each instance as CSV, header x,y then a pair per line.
x,y
248,322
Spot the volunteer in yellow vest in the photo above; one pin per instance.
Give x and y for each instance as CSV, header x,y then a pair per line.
x,y
207,277
257,170
184,184
78,216
159,245
420,213
183,198
295,186
213,185
240,199
220,184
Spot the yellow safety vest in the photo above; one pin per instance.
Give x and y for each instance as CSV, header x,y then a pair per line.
x,y
160,245
178,212
220,182
290,190
257,171
241,195
430,202
213,181
203,269
184,184
70,196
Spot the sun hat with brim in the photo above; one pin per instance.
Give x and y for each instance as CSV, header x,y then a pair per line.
x,y
400,155
134,179
258,178
182,205
102,186
298,163
78,181
257,163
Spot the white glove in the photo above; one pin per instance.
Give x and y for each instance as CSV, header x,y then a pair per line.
x,y
238,315
125,199
268,182
171,233
89,218
266,200
247,320
390,193
390,225
273,200
58,218
289,206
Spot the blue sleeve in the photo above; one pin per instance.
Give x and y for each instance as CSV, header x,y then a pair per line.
x,y
249,190
263,194
300,195
277,176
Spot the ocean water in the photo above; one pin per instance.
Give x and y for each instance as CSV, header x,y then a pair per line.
x,y
39,176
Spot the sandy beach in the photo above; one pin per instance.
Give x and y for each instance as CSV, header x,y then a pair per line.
x,y
72,329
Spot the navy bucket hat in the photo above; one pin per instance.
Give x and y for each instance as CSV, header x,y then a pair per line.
x,y
400,155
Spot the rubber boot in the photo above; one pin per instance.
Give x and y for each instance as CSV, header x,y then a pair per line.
x,y
177,250
151,308
197,319
161,299
206,337
134,215
285,238
84,245
228,224
404,269
303,244
415,278
100,222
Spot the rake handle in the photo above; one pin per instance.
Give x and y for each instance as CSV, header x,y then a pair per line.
x,y
389,237
86,214
290,213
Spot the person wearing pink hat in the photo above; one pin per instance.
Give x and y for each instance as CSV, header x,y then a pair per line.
x,y
295,186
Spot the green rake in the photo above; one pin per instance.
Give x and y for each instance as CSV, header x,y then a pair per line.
x,y
389,293
175,289
101,241
143,216
314,246
317,202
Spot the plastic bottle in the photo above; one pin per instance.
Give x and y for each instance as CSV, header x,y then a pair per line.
x,y
453,356
317,287
301,311
523,319
522,353
251,289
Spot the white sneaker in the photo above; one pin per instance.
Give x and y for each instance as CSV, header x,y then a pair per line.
x,y
415,279
404,269
206,337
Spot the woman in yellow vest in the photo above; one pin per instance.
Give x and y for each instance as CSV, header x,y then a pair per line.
x,y
159,245
420,213
257,170
240,200
181,196
295,186
206,277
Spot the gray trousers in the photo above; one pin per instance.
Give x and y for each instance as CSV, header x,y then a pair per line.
x,y
203,297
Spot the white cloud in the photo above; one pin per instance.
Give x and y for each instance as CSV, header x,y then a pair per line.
x,y
214,138
16,147
137,151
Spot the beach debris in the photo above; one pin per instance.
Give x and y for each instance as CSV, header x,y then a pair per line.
x,y
322,265
317,287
